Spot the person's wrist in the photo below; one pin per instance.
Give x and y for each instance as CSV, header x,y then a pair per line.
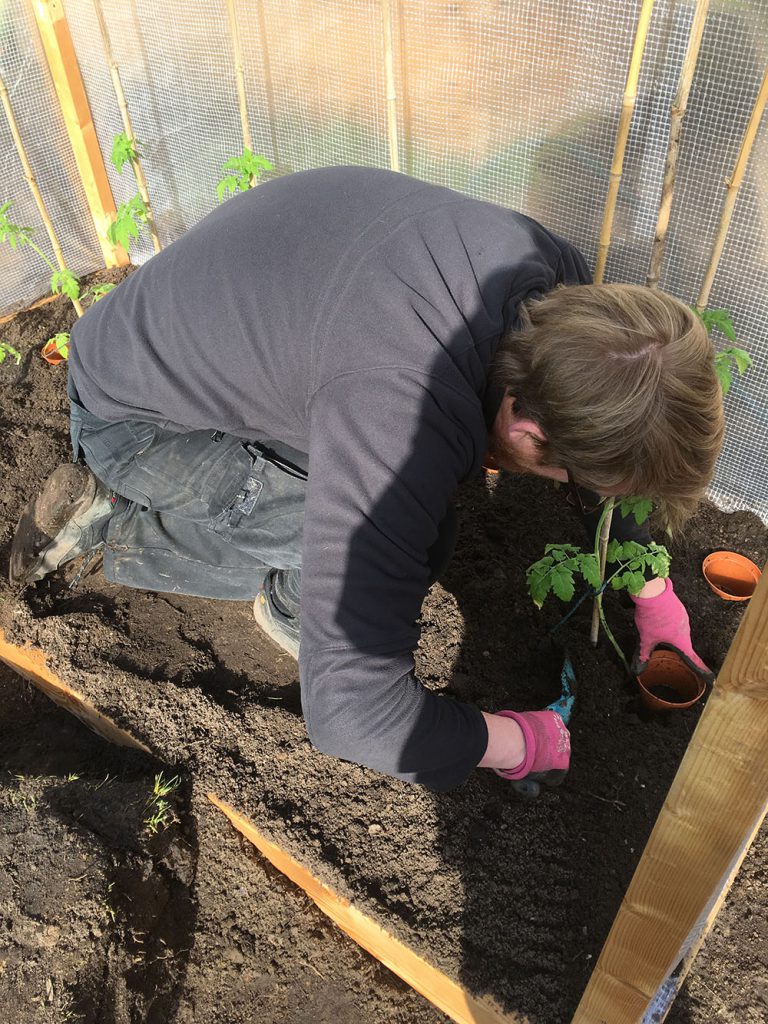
x,y
506,743
653,588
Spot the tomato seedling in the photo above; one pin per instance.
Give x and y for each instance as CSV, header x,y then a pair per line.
x,y
246,171
557,571
7,350
728,358
63,282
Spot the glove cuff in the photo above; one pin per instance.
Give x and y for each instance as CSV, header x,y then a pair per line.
x,y
526,765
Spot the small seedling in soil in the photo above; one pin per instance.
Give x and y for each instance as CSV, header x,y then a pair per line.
x,y
99,291
63,282
8,351
725,361
246,170
556,572
159,810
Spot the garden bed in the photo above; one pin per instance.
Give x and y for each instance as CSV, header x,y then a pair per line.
x,y
511,899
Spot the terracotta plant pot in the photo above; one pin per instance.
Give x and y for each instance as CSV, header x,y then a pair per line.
x,y
732,576
52,354
667,684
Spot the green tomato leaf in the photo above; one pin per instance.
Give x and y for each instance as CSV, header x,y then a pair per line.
x,y
590,570
124,150
65,283
562,582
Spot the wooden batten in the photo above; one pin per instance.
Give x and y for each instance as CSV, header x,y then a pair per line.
x,y
30,662
713,810
62,61
435,986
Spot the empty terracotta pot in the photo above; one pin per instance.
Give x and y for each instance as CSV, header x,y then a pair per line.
x,y
667,684
732,576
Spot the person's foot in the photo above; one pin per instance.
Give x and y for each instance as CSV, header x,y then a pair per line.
x,y
281,628
64,521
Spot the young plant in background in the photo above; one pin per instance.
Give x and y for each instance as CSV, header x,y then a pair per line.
x,y
63,282
728,358
56,348
245,169
132,216
556,572
8,351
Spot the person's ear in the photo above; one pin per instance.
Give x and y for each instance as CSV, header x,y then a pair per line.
x,y
516,424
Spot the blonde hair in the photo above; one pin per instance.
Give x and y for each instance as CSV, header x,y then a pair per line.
x,y
621,380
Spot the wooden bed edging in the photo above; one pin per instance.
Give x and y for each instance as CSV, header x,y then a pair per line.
x,y
30,662
435,986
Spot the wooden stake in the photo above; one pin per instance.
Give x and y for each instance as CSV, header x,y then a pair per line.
x,y
239,74
679,107
617,167
268,88
717,800
60,53
440,990
33,186
138,170
389,77
605,532
733,185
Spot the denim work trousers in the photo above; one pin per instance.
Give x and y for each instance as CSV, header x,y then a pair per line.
x,y
207,514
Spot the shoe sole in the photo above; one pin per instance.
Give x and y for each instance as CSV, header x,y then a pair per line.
x,y
265,622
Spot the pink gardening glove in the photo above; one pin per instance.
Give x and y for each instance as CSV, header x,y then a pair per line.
x,y
547,751
664,620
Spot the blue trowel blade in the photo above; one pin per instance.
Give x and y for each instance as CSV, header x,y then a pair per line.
x,y
564,703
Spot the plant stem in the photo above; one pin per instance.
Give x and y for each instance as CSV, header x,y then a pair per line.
x,y
610,635
601,547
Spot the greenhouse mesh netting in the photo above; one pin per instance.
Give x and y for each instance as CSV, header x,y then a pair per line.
x,y
505,100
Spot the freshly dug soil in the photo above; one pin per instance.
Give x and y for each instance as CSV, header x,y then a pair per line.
x,y
512,899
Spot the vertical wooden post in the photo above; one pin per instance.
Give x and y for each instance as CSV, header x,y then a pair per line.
x,y
617,166
715,804
389,77
60,53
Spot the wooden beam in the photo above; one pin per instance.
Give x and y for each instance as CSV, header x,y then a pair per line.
x,y
714,807
60,53
435,986
30,662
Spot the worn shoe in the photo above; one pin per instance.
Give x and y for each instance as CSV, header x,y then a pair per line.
x,y
64,521
282,629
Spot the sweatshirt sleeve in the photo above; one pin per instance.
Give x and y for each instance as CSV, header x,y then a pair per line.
x,y
388,448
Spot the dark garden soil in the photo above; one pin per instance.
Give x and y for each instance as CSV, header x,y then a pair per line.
x,y
102,921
